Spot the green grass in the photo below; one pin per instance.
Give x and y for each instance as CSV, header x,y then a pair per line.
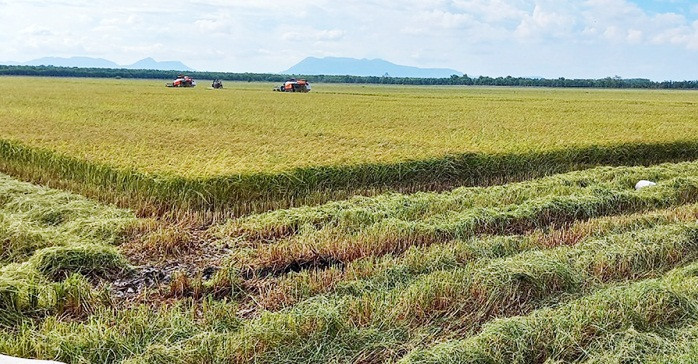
x,y
248,149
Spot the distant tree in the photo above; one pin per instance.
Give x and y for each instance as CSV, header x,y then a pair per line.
x,y
608,82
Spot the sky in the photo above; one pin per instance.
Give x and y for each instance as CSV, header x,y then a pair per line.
x,y
655,39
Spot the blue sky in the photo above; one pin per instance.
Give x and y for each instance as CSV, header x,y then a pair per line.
x,y
656,39
666,6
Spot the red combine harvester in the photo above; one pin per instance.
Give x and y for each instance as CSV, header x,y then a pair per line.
x,y
293,85
182,81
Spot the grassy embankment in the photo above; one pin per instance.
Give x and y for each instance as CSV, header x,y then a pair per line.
x,y
208,154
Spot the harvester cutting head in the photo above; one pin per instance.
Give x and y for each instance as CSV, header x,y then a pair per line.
x,y
293,85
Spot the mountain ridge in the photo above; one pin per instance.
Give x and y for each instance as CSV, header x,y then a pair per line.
x,y
364,67
91,62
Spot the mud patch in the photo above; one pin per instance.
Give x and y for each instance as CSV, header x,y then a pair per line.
x,y
154,279
155,269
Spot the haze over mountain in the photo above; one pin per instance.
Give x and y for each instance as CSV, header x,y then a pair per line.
x,y
89,62
149,63
364,67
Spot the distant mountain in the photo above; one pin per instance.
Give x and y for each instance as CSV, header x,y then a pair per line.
x,y
85,62
151,64
364,67
88,62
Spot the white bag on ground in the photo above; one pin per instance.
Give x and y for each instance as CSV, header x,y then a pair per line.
x,y
644,183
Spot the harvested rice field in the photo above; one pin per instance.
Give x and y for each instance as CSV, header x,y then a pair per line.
x,y
574,267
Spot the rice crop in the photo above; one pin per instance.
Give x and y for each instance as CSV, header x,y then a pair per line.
x,y
564,333
675,345
415,224
340,232
466,296
49,236
386,272
361,212
210,154
618,260
32,218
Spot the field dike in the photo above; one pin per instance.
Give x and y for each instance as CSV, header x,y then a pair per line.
x,y
211,199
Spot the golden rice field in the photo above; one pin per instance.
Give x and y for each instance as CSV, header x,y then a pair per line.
x,y
245,148
246,129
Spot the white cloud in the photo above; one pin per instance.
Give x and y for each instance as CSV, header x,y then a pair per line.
x,y
219,24
635,36
445,19
546,21
36,30
314,35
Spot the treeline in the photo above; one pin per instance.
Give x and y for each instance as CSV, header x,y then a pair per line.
x,y
608,82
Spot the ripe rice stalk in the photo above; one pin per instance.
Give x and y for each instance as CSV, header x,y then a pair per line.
x,y
320,248
470,296
566,332
356,214
211,199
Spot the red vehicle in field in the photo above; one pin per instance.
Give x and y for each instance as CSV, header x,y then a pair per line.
x,y
182,81
293,85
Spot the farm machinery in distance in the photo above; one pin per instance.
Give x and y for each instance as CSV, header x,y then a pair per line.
x,y
182,81
293,85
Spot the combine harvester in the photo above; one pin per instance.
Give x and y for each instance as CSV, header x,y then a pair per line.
x,y
293,85
182,81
